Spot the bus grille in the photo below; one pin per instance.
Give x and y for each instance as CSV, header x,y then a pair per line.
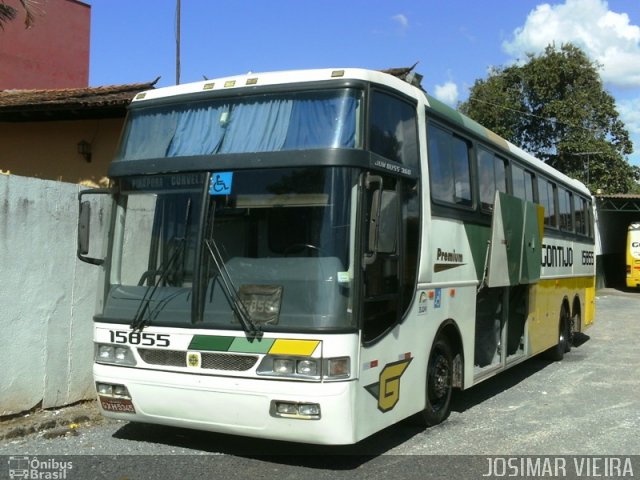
x,y
212,361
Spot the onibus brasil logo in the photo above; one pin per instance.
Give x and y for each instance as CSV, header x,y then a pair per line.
x,y
36,468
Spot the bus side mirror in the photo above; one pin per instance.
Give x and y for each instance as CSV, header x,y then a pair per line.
x,y
84,225
383,220
383,225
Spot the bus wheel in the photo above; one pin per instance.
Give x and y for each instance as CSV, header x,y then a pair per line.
x,y
556,353
439,383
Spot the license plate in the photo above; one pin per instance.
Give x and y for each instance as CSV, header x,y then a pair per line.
x,y
120,405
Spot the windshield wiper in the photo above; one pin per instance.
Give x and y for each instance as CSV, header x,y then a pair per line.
x,y
139,319
231,293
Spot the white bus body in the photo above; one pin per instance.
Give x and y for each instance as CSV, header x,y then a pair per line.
x,y
314,256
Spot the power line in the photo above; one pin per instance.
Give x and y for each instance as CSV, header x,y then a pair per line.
x,y
529,114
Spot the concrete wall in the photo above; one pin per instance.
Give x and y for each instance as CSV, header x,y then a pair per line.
x,y
47,297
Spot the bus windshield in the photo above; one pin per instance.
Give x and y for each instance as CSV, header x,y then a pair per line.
x,y
279,241
255,123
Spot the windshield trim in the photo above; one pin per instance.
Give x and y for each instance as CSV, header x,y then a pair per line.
x,y
100,318
320,157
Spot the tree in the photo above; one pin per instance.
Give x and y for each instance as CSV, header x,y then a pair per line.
x,y
555,107
9,13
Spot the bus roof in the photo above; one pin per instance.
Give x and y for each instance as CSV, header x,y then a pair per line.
x,y
252,80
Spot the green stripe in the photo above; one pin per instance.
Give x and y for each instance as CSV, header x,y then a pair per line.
x,y
210,342
230,344
478,236
241,344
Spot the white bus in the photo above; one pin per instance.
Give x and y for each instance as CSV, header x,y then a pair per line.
x,y
316,255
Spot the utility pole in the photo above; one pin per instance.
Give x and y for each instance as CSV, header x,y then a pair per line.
x,y
177,42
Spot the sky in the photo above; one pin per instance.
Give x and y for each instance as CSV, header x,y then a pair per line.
x,y
454,41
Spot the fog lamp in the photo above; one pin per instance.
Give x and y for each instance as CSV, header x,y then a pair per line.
x,y
104,389
295,410
120,391
309,409
286,408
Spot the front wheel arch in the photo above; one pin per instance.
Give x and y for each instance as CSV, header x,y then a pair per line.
x,y
439,382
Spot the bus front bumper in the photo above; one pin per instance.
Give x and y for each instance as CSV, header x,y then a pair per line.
x,y
232,405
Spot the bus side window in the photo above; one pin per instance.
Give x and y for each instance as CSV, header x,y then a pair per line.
x,y
528,186
580,209
393,131
546,195
449,169
522,182
492,177
590,220
564,207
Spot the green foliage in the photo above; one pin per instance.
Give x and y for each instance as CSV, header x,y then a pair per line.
x,y
8,13
554,105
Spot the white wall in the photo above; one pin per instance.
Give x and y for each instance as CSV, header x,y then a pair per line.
x,y
47,297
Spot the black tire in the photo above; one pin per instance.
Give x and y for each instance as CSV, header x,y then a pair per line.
x,y
439,383
556,353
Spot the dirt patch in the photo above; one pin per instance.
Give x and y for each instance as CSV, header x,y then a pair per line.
x,y
56,422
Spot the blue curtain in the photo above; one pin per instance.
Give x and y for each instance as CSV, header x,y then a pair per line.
x,y
317,123
257,127
267,124
149,134
199,131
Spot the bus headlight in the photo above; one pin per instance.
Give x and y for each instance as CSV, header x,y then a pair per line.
x,y
307,368
114,355
338,368
284,366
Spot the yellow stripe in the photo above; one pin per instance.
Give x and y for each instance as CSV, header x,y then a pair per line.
x,y
293,347
545,302
540,211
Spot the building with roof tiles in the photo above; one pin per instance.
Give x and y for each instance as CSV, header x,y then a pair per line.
x,y
69,135
52,125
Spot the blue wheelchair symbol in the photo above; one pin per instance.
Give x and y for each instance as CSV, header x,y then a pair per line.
x,y
220,183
